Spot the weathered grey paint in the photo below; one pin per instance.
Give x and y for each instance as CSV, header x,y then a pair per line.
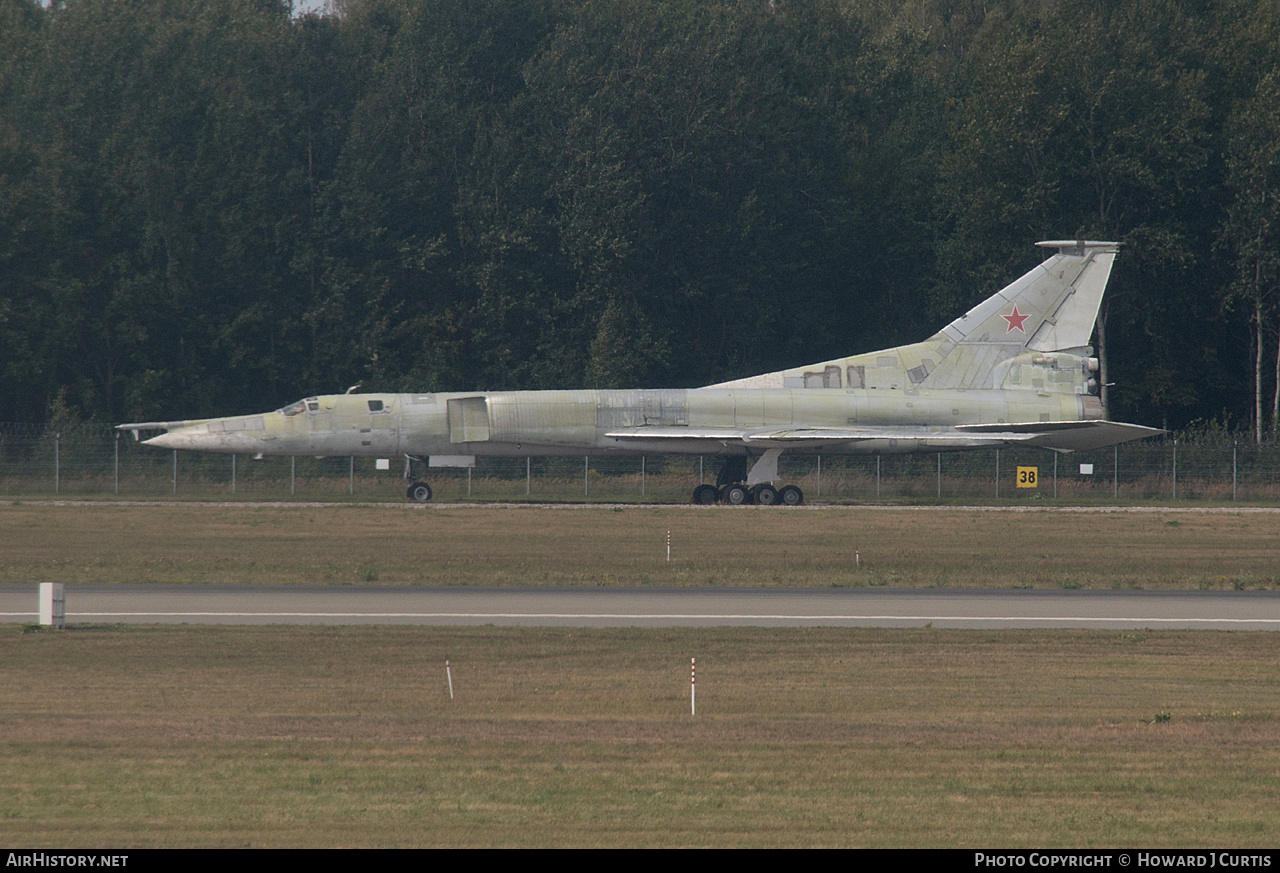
x,y
1015,369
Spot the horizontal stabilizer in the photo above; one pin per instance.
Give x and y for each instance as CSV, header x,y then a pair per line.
x,y
1062,436
820,437
1070,436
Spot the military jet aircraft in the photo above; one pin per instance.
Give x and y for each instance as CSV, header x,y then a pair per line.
x,y
1014,370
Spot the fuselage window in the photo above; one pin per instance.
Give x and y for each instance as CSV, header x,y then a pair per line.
x,y
375,405
294,408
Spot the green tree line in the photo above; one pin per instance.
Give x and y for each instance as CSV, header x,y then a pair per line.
x,y
214,207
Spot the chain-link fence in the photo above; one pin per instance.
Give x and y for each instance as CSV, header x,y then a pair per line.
x,y
97,460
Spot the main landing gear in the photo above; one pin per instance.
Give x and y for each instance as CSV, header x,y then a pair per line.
x,y
731,485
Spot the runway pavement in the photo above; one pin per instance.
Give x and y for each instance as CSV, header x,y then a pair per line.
x,y
653,607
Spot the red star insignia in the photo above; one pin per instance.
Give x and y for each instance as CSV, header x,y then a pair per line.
x,y
1015,320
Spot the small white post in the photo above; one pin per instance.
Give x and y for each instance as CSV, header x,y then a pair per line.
x,y
117,464
448,675
857,558
693,686
668,547
53,605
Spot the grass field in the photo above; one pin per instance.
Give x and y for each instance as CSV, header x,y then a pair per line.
x,y
226,736
345,736
731,546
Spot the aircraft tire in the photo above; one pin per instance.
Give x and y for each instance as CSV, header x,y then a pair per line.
x,y
419,492
791,496
737,495
764,495
705,495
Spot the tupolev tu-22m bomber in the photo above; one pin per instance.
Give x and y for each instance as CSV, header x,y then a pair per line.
x,y
1014,370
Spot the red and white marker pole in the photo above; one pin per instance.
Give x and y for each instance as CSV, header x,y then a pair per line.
x,y
448,675
693,686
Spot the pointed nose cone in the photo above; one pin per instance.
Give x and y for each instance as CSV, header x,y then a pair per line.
x,y
196,438
246,433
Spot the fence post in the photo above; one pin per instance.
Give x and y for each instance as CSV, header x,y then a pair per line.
x,y
939,475
117,464
819,494
1115,475
175,471
468,481
1055,475
1175,468
293,468
528,476
997,474
57,441
351,477
642,475
701,475
877,475
1234,446
233,472
586,468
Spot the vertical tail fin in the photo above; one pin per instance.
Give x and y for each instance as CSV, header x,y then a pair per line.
x,y
1053,307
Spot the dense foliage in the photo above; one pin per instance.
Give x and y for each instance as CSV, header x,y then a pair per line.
x,y
211,207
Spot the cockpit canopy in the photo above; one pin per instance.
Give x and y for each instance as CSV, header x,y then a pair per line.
x,y
311,403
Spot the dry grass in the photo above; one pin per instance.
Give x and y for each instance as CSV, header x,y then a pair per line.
x,y
209,736
401,545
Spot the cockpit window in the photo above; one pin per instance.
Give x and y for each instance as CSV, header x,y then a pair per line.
x,y
294,408
375,405
313,403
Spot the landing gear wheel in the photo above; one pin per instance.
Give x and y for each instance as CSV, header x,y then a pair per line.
x,y
791,496
764,495
737,495
419,492
705,495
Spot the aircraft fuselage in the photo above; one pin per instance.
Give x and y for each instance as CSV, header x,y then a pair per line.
x,y
609,422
